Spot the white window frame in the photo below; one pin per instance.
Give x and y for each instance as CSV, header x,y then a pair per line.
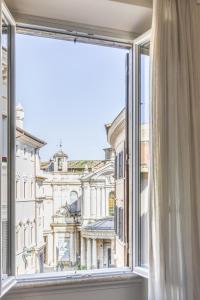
x,y
10,279
132,97
138,269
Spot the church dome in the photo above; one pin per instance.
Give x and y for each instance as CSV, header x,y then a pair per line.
x,y
60,153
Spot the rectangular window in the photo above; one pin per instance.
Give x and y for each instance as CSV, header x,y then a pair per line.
x,y
32,190
17,189
121,164
25,184
141,160
116,166
121,223
17,150
116,219
7,153
4,142
144,153
25,152
76,184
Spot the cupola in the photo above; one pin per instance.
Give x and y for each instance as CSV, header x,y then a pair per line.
x,y
60,160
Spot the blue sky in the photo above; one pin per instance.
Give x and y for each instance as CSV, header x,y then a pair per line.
x,y
145,92
69,91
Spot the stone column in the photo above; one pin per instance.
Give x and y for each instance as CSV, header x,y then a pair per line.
x,y
98,202
101,254
50,249
94,253
112,252
55,255
103,202
93,201
107,191
72,248
83,252
89,254
86,201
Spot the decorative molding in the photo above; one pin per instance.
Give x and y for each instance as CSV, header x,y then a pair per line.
x,y
74,29
116,127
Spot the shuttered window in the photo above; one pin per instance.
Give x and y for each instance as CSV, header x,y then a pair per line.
x,y
121,227
121,164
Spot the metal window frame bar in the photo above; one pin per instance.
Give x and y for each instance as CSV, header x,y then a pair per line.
x,y
7,283
140,41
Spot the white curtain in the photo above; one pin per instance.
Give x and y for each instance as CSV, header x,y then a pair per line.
x,y
175,152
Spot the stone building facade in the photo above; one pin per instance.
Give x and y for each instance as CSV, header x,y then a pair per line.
x,y
116,138
64,209
116,134
78,226
29,235
72,214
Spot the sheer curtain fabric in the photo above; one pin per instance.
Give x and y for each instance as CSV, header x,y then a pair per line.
x,y
175,152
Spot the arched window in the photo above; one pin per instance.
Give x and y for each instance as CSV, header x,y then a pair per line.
x,y
73,197
111,203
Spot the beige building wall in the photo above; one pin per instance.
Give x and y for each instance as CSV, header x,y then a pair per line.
x,y
116,138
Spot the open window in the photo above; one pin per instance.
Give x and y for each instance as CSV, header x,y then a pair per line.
x,y
7,152
127,170
141,134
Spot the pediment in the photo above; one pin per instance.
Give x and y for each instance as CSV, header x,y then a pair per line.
x,y
101,173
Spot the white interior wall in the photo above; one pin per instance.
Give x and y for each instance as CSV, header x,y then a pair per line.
x,y
125,290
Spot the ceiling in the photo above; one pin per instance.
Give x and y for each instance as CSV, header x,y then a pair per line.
x,y
124,15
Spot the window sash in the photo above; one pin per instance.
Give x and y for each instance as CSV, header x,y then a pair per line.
x,y
130,119
143,271
8,280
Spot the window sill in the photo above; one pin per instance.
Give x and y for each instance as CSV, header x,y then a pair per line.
x,y
63,282
142,271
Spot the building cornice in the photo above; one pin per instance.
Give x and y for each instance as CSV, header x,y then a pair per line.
x,y
26,137
115,128
98,234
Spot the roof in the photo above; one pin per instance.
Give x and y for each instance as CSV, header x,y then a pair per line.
x,y
102,224
77,166
81,164
44,164
20,133
107,126
60,153
117,126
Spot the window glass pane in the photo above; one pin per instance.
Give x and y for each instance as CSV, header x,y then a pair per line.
x,y
144,154
4,170
77,210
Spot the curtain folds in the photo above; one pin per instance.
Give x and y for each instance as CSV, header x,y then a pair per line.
x,y
175,152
